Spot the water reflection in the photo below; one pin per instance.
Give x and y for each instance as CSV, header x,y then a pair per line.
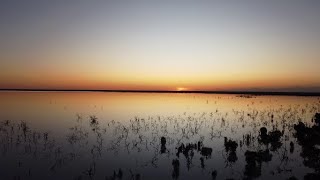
x,y
252,143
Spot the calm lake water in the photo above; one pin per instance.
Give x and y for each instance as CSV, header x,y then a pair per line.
x,y
76,135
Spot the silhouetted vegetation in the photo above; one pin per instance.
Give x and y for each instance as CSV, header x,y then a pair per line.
x,y
309,139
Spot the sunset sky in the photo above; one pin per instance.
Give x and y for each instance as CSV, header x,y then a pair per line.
x,y
160,45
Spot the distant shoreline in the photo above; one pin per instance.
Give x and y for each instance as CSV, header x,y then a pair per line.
x,y
256,93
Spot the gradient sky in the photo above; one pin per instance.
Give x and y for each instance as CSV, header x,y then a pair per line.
x,y
160,45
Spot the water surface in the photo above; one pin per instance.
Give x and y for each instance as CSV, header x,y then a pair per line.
x,y
82,135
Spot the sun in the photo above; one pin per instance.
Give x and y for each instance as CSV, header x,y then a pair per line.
x,y
181,89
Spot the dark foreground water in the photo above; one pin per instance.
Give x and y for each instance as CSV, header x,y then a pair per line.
x,y
60,135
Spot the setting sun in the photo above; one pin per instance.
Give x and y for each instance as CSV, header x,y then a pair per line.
x,y
181,89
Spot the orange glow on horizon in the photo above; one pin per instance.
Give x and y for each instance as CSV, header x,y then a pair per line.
x,y
152,83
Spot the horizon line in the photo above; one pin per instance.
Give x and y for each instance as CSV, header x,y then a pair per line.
x,y
275,93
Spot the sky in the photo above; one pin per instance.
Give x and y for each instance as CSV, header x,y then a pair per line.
x,y
160,45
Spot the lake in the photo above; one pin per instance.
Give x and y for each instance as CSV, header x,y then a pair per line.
x,y
97,135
